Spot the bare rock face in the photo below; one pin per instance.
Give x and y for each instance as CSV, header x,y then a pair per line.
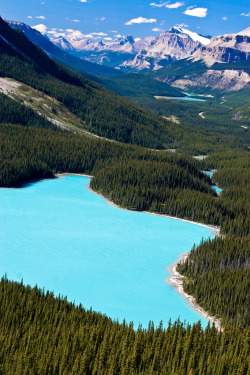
x,y
225,80
169,46
225,49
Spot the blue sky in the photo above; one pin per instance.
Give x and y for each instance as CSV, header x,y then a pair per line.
x,y
139,18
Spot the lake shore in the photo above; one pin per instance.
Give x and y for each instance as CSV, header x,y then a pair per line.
x,y
176,280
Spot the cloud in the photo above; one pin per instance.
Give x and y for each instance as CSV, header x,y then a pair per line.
x,y
73,34
167,5
174,5
113,31
76,20
42,28
224,18
140,20
156,29
107,38
100,34
245,14
196,12
117,36
83,1
29,17
101,19
158,5
181,25
42,17
55,34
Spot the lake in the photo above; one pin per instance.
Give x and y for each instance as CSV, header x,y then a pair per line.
x,y
214,187
61,236
188,98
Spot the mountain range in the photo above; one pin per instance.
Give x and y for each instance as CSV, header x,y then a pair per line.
x,y
179,57
128,54
61,55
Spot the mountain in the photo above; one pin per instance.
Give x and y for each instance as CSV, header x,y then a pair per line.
x,y
129,54
169,46
222,65
227,48
57,54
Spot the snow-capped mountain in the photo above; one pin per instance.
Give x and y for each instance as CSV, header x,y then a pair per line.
x,y
63,44
61,54
226,49
223,64
171,45
129,54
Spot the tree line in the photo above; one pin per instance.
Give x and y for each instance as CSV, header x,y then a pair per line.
x,y
44,334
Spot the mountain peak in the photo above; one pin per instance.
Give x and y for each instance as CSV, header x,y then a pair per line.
x,y
245,32
126,39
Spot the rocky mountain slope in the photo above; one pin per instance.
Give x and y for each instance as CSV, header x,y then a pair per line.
x,y
129,54
58,54
225,49
223,65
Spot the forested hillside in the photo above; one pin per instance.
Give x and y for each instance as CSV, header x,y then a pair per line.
x,y
224,263
103,112
41,334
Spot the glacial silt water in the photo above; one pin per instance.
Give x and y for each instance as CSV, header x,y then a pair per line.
x,y
61,236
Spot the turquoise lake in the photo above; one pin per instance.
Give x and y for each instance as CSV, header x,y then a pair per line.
x,y
188,98
59,235
215,187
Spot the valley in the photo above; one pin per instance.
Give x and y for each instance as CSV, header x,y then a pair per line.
x,y
146,143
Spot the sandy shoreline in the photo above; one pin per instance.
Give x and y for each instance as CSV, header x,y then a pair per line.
x,y
176,280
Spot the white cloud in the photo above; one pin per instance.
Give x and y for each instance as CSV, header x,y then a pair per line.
x,y
158,5
167,5
156,29
113,31
42,17
42,28
29,17
55,34
175,5
83,1
100,34
196,12
103,18
224,18
181,25
245,14
76,34
76,20
140,20
118,36
107,38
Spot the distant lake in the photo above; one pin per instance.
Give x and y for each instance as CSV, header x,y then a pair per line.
x,y
214,187
189,98
59,235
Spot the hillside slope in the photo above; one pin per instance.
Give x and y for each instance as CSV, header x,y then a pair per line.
x,y
61,56
103,112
